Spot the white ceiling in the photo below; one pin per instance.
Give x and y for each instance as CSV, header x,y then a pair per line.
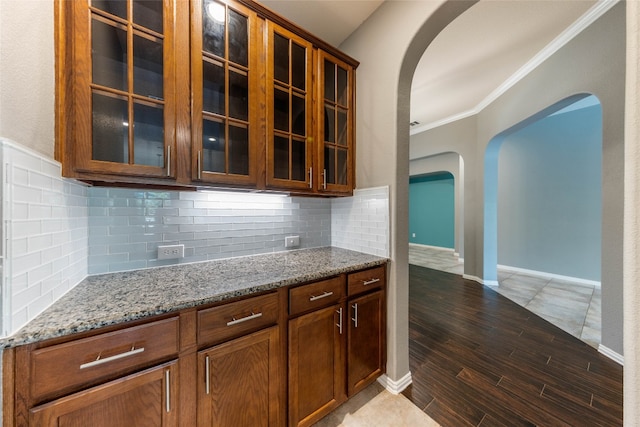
x,y
470,58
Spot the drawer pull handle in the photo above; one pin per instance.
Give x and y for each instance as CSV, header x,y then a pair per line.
x,y
100,361
370,282
317,297
252,316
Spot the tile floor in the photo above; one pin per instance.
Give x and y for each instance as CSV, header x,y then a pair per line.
x,y
573,307
376,407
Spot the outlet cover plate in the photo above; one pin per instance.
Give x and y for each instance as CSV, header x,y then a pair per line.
x,y
292,241
170,251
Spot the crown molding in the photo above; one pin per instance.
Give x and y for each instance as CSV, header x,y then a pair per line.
x,y
595,12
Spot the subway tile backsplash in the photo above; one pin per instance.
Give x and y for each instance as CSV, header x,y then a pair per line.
x,y
45,228
56,231
127,226
361,222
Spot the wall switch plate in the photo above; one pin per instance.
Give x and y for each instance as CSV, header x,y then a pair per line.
x,y
170,251
292,241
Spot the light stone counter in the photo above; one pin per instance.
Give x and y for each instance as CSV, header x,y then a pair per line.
x,y
113,298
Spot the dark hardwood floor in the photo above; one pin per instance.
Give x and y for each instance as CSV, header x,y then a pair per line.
x,y
479,359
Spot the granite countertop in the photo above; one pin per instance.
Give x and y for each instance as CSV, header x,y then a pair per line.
x,y
113,298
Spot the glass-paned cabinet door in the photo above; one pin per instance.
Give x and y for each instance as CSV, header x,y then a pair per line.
x,y
289,110
335,124
225,70
124,87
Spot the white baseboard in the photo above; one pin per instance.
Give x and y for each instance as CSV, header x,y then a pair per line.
x,y
536,273
616,357
440,248
395,387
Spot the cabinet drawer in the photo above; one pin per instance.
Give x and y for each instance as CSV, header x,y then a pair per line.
x,y
363,281
316,295
63,367
231,320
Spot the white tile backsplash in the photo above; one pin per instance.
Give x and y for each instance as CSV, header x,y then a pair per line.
x,y
361,222
127,226
45,229
56,231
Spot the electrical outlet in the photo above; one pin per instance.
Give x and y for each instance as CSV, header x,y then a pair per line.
x,y
292,241
170,251
413,235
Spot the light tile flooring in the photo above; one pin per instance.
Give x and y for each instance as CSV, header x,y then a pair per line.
x,y
573,307
376,407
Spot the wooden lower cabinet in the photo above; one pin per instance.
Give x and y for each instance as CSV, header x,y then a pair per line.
x,y
238,382
365,341
316,364
147,398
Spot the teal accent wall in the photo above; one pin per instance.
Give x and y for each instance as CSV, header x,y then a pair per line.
x,y
431,210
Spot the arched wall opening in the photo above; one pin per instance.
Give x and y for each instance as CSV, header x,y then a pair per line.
x,y
401,32
452,163
540,224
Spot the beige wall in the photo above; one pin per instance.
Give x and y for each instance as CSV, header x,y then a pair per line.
x,y
632,221
27,73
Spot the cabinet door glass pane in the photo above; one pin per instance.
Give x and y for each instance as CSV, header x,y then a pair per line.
x,y
238,38
109,55
238,95
212,87
342,167
342,86
110,128
329,124
280,110
213,27
238,150
342,127
298,66
148,135
148,13
330,164
281,157
281,58
298,115
147,67
213,158
114,7
298,160
329,81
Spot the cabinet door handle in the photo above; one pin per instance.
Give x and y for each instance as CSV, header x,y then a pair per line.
x,y
100,361
167,385
206,373
310,177
370,282
168,160
324,179
339,324
355,315
252,316
323,295
199,165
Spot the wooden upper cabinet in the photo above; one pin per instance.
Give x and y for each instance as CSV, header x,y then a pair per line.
x,y
289,109
198,93
225,78
118,77
335,124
